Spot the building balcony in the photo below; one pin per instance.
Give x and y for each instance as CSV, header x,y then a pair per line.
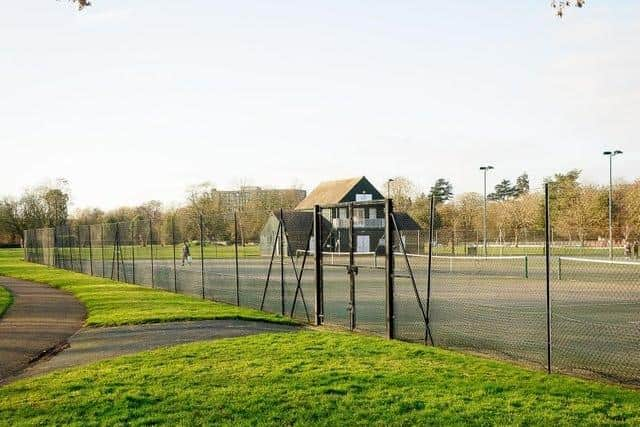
x,y
358,223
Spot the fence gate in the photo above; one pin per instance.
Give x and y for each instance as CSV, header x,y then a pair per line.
x,y
353,266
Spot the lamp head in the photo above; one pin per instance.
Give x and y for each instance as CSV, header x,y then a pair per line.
x,y
612,153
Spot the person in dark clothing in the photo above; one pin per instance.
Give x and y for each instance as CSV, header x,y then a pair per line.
x,y
186,253
636,248
627,250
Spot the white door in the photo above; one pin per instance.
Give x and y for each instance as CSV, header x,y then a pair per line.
x,y
363,244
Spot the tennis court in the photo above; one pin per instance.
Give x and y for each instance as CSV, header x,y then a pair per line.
x,y
493,305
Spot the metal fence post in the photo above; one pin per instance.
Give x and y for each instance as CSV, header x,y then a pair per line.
x,y
133,226
55,247
547,256
352,272
282,261
79,248
202,253
151,251
235,243
429,264
102,247
559,268
90,251
25,242
389,267
317,248
69,243
173,240
116,248
63,240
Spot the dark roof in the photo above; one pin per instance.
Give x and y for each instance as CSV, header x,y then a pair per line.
x,y
296,221
405,221
329,192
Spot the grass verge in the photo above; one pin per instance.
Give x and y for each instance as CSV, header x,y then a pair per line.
x,y
111,303
5,300
309,378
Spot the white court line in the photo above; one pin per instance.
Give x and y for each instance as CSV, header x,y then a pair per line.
x,y
600,261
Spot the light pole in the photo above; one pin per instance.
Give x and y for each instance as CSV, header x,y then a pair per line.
x,y
389,181
484,169
611,154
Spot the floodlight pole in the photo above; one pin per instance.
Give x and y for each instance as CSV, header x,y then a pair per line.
x,y
611,154
389,181
484,169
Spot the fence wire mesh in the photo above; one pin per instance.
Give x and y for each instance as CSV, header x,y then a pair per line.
x,y
457,295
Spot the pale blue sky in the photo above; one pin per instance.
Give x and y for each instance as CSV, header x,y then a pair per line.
x,y
137,100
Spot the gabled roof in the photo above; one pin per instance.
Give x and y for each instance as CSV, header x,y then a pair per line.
x,y
299,221
405,221
329,192
296,220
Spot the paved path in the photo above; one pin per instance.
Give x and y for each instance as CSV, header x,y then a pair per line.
x,y
92,344
40,321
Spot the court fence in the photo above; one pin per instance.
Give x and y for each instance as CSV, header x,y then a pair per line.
x,y
567,314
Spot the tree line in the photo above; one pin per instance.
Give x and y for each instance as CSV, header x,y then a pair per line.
x,y
579,212
47,206
515,213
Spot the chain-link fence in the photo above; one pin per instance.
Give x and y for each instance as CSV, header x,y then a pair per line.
x,y
559,304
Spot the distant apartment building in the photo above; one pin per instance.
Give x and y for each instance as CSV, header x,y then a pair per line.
x,y
238,199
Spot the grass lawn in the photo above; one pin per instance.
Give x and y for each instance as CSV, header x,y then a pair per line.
x,y
111,303
160,252
5,300
311,377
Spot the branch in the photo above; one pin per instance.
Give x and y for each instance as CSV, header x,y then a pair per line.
x,y
561,5
81,3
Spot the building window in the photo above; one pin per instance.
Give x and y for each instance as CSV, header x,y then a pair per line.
x,y
342,213
373,213
358,213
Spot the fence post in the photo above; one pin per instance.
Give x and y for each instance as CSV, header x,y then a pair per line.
x,y
547,256
559,268
235,243
90,251
173,240
432,206
151,250
55,247
202,253
317,232
134,226
79,248
389,267
63,256
282,261
352,272
116,248
69,243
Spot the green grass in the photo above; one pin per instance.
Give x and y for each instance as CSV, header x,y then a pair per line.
x,y
111,303
5,300
160,252
311,378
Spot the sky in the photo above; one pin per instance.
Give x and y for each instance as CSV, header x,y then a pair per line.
x,y
133,101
